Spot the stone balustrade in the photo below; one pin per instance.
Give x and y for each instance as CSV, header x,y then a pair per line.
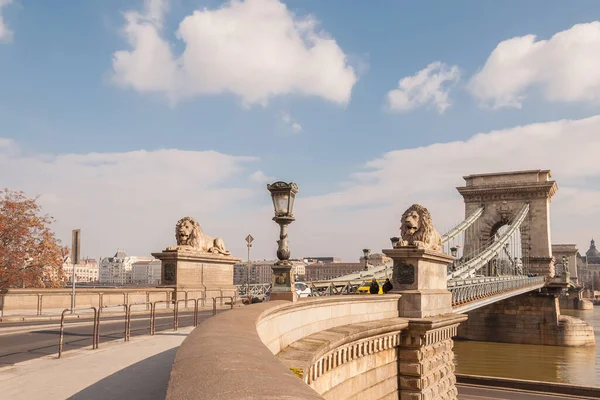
x,y
341,347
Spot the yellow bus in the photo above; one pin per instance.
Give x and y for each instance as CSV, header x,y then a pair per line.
x,y
364,289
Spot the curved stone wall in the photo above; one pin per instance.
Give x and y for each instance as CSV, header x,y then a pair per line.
x,y
285,324
339,347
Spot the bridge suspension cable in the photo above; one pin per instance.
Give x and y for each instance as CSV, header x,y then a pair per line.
x,y
491,248
462,226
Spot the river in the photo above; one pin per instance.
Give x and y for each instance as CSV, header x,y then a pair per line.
x,y
574,365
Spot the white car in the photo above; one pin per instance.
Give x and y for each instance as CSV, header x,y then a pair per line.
x,y
302,290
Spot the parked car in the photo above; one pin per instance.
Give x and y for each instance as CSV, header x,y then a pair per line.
x,y
302,289
364,289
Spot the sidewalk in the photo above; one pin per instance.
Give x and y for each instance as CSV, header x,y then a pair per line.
x,y
138,369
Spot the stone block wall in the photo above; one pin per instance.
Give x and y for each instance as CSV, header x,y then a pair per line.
x,y
425,367
526,319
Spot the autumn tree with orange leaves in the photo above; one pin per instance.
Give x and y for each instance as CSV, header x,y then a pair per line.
x,y
30,255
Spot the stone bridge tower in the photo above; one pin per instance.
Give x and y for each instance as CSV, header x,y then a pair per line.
x,y
502,195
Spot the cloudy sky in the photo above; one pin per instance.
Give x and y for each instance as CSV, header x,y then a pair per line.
x,y
125,115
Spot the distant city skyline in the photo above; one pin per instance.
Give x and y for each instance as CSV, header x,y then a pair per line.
x,y
124,116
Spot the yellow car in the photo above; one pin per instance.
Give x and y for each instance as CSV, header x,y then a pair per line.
x,y
364,289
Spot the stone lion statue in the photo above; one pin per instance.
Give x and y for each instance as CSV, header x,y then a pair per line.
x,y
417,229
189,235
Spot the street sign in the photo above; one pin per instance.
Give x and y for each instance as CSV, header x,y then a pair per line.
x,y
249,239
75,246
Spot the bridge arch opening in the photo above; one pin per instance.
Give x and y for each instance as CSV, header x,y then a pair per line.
x,y
512,258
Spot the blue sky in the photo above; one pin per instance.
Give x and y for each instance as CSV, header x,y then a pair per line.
x,y
60,103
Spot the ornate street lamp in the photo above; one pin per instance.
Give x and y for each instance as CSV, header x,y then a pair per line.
x,y
283,195
366,253
454,253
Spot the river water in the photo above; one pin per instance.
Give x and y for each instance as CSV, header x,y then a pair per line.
x,y
574,365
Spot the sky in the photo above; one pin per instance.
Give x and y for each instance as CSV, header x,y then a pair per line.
x,y
125,115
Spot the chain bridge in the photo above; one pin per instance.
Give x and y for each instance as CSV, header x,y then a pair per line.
x,y
502,248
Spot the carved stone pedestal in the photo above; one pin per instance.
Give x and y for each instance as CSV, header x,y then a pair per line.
x,y
282,283
190,270
425,366
420,276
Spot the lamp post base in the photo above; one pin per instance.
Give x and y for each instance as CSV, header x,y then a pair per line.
x,y
288,296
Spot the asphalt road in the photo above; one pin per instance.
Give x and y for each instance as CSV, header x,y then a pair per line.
x,y
471,392
22,346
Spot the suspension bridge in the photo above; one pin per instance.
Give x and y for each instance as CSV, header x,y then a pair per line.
x,y
501,249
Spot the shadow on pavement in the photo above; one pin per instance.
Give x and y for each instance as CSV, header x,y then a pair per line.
x,y
145,380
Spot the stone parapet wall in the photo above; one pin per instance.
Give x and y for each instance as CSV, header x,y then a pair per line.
x,y
288,323
48,301
526,319
342,347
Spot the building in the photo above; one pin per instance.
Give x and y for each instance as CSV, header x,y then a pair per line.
x,y
86,271
312,260
146,272
325,271
261,272
299,270
118,269
589,267
377,259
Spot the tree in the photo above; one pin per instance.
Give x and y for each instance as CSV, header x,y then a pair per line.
x,y
30,255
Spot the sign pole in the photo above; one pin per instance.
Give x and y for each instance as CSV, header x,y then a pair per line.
x,y
249,240
75,248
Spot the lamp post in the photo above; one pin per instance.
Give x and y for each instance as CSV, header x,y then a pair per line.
x,y
565,262
366,253
249,239
454,253
283,195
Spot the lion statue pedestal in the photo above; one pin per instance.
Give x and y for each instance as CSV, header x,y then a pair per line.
x,y
420,267
198,263
420,270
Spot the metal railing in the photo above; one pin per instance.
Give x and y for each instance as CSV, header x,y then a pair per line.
x,y
128,317
473,291
124,312
95,324
153,315
151,306
221,297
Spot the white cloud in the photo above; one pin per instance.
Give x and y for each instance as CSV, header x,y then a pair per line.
x,y
566,68
6,34
132,200
287,118
255,49
260,177
366,211
431,85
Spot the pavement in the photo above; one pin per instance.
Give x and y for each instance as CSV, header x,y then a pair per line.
x,y
26,342
138,369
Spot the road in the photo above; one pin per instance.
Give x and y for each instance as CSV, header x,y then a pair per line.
x,y
22,346
473,392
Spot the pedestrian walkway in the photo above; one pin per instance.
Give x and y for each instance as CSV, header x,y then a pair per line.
x,y
138,369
